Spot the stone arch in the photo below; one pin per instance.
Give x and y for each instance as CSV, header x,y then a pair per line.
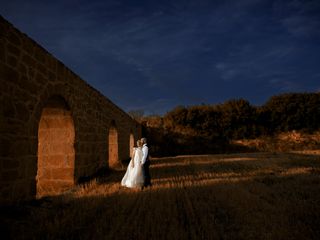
x,y
113,145
49,92
131,143
56,153
26,98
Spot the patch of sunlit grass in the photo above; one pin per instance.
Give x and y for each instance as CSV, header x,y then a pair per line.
x,y
283,142
236,196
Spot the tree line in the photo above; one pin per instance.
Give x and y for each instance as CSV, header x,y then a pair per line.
x,y
234,119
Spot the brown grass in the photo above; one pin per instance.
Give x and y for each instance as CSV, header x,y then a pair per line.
x,y
282,142
238,196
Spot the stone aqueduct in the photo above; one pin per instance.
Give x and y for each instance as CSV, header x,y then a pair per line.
x,y
54,127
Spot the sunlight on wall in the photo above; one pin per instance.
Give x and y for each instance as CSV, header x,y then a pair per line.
x,y
131,144
56,152
113,146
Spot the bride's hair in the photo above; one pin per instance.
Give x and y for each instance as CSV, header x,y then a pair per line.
x,y
139,143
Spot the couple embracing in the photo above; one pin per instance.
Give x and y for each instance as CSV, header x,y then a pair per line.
x,y
137,174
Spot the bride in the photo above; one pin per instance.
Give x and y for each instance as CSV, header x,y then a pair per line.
x,y
134,175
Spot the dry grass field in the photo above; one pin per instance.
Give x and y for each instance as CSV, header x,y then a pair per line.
x,y
235,196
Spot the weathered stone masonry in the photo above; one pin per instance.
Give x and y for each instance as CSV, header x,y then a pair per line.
x,y
54,127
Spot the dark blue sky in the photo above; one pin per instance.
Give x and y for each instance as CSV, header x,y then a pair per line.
x,y
155,55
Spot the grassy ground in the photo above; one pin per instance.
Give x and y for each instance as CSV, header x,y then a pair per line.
x,y
238,196
282,142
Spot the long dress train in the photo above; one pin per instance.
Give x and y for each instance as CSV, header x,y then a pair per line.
x,y
134,174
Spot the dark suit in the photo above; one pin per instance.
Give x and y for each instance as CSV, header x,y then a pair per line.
x,y
145,167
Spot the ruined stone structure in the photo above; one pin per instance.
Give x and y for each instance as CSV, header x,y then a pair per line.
x,y
54,127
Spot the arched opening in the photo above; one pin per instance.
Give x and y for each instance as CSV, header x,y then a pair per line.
x,y
131,143
56,154
113,146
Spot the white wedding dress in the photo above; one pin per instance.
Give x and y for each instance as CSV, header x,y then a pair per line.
x,y
134,175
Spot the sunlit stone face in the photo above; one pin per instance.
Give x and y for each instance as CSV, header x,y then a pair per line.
x,y
56,152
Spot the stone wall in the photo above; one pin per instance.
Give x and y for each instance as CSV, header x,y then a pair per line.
x,y
54,127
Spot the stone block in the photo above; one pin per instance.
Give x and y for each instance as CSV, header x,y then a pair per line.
x,y
69,161
60,70
41,68
31,86
13,50
31,72
50,187
20,148
28,61
24,96
27,45
51,64
22,111
2,51
33,148
44,187
39,55
32,187
3,29
41,79
7,73
22,173
52,121
62,173
10,163
10,175
5,145
31,106
23,81
13,37
8,109
31,170
43,173
12,61
22,69
51,76
54,161
59,148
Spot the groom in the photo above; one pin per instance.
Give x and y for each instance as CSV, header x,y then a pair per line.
x,y
145,163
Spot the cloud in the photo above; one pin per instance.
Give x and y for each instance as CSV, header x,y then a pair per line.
x,y
157,106
221,66
300,18
301,26
284,85
228,72
159,54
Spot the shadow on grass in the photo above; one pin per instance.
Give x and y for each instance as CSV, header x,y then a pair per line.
x,y
105,175
243,164
256,205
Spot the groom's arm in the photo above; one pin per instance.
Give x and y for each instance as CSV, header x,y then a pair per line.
x,y
145,154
